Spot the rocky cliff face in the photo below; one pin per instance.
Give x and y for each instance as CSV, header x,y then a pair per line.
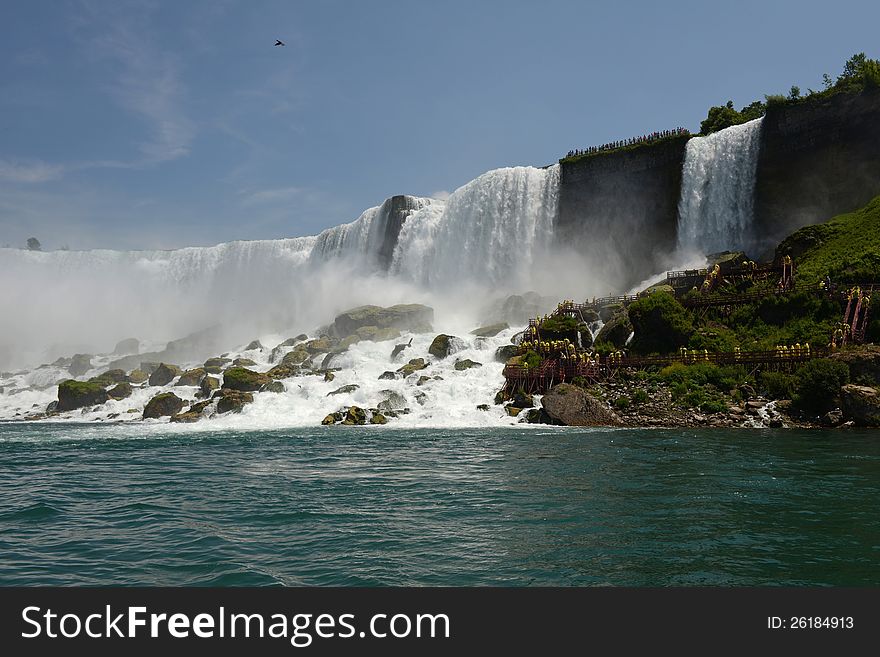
x,y
818,159
399,208
620,208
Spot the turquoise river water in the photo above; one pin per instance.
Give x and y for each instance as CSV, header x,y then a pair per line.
x,y
128,505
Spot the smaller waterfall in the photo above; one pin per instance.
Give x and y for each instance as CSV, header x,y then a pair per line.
x,y
716,207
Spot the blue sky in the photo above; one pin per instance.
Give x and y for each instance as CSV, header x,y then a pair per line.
x,y
149,124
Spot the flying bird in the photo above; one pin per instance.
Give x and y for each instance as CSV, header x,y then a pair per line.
x,y
279,42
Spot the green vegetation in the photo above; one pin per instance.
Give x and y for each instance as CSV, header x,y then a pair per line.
x,y
819,383
859,74
531,358
779,385
622,403
639,396
703,385
560,324
846,248
661,324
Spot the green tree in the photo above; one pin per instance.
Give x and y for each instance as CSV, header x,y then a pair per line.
x,y
819,383
33,244
660,323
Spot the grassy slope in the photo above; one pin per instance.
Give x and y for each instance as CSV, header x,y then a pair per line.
x,y
846,247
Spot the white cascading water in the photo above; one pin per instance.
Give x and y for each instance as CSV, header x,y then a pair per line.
x,y
489,231
716,207
484,236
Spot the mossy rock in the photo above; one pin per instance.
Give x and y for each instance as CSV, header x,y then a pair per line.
x,y
616,330
512,410
193,413
377,334
244,362
120,390
109,377
274,386
393,401
254,344
346,342
208,385
244,380
389,376
80,394
191,377
491,330
344,390
466,364
232,400
411,367
329,376
216,365
442,346
332,418
317,346
148,367
162,405
164,374
355,415
378,418
506,352
607,312
137,376
482,407
405,317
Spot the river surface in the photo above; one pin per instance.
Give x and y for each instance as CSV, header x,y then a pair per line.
x,y
139,505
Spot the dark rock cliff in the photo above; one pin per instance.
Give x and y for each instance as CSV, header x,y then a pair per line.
x,y
818,159
620,209
398,209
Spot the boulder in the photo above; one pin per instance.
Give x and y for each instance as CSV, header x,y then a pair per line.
x,y
378,418
411,367
148,367
393,401
616,330
442,346
80,364
79,394
243,362
164,374
521,399
405,317
377,334
466,364
232,400
387,375
505,353
355,415
861,404
344,390
491,330
332,418
482,407
208,385
254,344
120,391
192,377
317,346
610,310
329,376
290,365
572,406
345,343
137,376
193,413
162,405
512,410
244,380
216,365
863,362
127,347
109,377
274,386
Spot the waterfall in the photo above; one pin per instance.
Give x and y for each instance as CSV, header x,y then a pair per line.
x,y
488,231
716,207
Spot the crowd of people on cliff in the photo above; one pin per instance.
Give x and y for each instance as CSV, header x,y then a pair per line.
x,y
632,141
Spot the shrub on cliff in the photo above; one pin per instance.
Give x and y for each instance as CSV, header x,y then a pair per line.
x,y
661,324
819,384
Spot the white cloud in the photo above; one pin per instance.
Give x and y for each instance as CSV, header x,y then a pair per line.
x,y
29,172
